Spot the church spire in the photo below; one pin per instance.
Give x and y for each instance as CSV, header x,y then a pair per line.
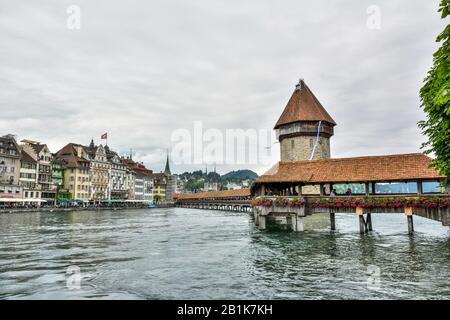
x,y
92,145
167,169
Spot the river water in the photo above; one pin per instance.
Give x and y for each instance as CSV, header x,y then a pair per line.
x,y
198,254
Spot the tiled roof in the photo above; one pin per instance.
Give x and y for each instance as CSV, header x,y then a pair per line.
x,y
359,169
27,158
215,194
138,167
69,155
303,106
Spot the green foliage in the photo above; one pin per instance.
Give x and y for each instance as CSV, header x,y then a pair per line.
x,y
435,97
240,175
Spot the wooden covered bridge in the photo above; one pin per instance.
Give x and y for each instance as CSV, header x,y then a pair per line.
x,y
307,180
293,190
229,200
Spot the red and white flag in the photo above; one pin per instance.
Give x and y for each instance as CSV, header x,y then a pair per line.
x,y
104,136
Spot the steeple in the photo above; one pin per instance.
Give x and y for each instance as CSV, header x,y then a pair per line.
x,y
92,145
167,169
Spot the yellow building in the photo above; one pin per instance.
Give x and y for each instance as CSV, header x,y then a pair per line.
x,y
77,174
159,187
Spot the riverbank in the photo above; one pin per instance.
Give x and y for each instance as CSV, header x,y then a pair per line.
x,y
68,209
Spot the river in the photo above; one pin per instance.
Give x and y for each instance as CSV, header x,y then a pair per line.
x,y
180,253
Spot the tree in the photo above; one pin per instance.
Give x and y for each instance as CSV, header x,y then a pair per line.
x,y
435,98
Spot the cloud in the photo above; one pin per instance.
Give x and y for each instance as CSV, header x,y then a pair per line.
x,y
140,70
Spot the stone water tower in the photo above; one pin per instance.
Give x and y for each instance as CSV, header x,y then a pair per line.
x,y
304,128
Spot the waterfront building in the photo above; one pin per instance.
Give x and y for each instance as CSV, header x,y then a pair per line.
x,y
10,156
44,165
160,185
29,178
165,185
143,181
131,180
58,170
99,173
119,186
77,171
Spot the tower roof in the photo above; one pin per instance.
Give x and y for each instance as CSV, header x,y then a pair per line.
x,y
167,169
303,106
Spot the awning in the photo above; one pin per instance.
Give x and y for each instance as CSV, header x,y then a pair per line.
x,y
22,200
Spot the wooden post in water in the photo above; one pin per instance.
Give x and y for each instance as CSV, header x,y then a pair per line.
x,y
409,217
333,220
362,223
369,221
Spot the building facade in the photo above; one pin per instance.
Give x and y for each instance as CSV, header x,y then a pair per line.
x,y
58,170
10,156
160,185
99,173
143,181
119,186
77,171
44,158
29,178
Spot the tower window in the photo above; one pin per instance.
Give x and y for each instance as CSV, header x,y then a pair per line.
x,y
292,144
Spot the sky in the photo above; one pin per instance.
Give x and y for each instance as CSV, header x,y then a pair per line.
x,y
141,70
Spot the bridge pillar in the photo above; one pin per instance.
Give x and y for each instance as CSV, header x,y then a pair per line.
x,y
262,222
369,222
299,224
409,217
362,225
333,220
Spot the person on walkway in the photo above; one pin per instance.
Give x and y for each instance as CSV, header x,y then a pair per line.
x,y
333,193
349,192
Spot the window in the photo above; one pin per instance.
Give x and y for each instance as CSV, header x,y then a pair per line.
x,y
431,187
396,187
311,143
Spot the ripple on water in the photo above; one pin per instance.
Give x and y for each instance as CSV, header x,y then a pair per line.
x,y
185,253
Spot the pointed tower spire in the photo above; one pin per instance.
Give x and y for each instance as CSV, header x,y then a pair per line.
x,y
92,145
303,106
167,169
304,125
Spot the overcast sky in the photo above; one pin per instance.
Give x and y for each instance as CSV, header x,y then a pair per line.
x,y
141,69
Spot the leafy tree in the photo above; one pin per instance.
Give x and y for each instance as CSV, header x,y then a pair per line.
x,y
435,97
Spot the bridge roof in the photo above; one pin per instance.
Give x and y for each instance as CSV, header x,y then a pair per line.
x,y
216,194
397,167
